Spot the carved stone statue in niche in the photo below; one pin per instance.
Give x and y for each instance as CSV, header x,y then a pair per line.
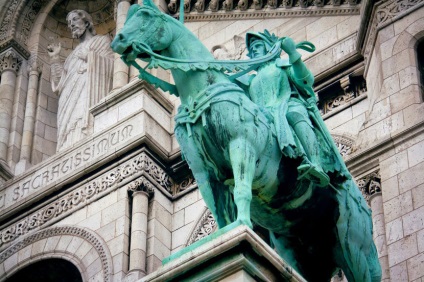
x,y
84,78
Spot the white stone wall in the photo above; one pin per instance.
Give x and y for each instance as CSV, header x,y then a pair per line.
x,y
110,218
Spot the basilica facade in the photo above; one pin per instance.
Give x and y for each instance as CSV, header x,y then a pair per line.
x,y
119,198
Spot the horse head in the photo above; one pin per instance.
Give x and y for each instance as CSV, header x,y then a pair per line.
x,y
145,28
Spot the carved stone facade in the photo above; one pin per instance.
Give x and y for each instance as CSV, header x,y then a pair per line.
x,y
120,201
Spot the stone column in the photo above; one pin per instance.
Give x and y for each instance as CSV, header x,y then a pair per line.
x,y
120,69
34,71
370,186
141,191
10,63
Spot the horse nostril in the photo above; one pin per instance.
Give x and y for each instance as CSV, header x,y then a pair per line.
x,y
121,37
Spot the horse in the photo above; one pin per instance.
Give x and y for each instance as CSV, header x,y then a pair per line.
x,y
231,147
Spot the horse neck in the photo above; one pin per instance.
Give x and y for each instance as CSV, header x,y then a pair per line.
x,y
186,46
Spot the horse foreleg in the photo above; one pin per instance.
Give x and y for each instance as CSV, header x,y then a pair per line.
x,y
243,162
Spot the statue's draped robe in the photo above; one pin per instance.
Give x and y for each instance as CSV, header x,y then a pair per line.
x,y
82,84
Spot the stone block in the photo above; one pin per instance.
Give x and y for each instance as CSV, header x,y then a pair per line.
x,y
114,212
399,273
394,230
360,107
323,25
120,263
391,85
413,221
416,154
386,33
181,235
325,39
24,254
380,110
38,246
83,250
398,206
411,178
102,203
211,29
118,245
194,211
413,114
394,165
107,232
402,250
390,188
51,244
405,97
97,277
348,26
122,226
157,230
177,220
380,244
185,201
164,202
237,27
153,263
75,243
63,243
158,212
409,76
11,262
157,248
418,196
270,24
93,222
416,267
388,67
90,257
94,268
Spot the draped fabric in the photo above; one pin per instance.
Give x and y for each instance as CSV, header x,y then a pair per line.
x,y
82,84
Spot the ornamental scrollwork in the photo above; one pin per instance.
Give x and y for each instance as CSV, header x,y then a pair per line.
x,y
370,184
392,8
344,144
205,226
141,184
88,193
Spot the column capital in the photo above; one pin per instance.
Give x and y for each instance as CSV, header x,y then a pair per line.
x,y
141,184
35,64
370,184
10,60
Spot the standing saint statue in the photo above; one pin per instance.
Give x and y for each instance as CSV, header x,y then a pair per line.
x,y
84,78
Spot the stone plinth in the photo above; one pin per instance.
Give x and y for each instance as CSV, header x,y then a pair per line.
x,y
227,255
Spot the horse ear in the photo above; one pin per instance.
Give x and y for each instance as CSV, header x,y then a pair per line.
x,y
133,9
151,4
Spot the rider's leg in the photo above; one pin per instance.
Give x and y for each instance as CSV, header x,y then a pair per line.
x,y
302,126
243,162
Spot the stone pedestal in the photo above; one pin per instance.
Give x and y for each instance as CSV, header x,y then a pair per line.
x,y
236,254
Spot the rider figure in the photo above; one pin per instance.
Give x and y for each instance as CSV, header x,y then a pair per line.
x,y
284,87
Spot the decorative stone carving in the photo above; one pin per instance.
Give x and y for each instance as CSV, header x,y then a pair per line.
x,y
10,60
30,14
205,226
5,27
187,183
344,144
90,236
370,184
84,79
280,8
141,184
90,192
35,64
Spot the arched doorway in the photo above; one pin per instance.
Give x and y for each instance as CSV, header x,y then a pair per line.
x,y
48,270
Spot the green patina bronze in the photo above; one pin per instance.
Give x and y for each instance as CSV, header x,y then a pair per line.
x,y
257,145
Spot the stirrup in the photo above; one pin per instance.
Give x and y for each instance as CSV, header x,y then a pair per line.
x,y
311,172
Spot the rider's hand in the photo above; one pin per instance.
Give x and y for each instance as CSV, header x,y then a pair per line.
x,y
289,46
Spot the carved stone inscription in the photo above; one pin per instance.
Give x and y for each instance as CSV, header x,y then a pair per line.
x,y
68,163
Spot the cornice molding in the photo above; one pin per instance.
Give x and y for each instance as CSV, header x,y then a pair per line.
x,y
269,13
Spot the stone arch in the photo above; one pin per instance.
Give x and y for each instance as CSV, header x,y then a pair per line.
x,y
81,246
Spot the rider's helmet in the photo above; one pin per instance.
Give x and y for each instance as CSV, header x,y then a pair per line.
x,y
267,38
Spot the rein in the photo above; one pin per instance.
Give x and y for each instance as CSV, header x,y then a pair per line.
x,y
237,68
